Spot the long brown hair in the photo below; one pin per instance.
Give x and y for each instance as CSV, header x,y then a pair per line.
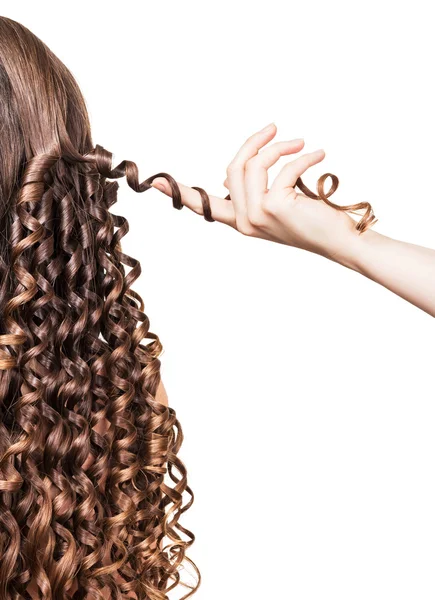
x,y
72,357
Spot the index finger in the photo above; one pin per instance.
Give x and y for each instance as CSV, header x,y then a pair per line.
x,y
222,210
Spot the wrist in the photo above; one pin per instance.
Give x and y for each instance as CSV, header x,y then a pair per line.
x,y
352,250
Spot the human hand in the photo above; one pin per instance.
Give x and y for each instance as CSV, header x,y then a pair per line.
x,y
277,213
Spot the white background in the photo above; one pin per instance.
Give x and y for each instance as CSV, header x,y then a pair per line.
x,y
305,390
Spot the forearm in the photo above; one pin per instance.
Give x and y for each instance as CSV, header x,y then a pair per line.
x,y
406,269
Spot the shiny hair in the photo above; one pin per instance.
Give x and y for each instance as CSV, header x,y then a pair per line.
x,y
78,507
83,513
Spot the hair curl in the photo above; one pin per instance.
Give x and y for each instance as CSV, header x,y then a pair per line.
x,y
83,513
72,355
367,220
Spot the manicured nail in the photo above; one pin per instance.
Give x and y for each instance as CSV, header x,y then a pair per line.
x,y
270,126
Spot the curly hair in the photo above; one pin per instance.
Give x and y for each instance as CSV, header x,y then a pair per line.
x,y
88,455
84,444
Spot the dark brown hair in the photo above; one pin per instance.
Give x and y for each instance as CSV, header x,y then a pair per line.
x,y
72,357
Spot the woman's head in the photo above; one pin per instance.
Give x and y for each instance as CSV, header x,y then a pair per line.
x,y
42,109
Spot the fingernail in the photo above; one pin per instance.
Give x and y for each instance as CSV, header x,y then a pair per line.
x,y
270,126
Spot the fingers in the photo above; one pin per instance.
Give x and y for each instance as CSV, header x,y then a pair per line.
x,y
272,154
236,168
247,180
222,210
256,168
290,172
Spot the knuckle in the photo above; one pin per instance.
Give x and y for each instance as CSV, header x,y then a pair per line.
x,y
269,207
248,231
233,168
245,228
256,217
252,164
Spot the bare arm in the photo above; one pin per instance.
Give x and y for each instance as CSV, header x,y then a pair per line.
x,y
406,269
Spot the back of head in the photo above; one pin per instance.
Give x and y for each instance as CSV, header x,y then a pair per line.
x,y
84,445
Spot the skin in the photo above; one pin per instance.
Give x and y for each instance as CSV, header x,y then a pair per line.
x,y
161,395
278,213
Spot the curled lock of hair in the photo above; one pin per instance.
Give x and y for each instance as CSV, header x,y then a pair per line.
x,y
367,220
